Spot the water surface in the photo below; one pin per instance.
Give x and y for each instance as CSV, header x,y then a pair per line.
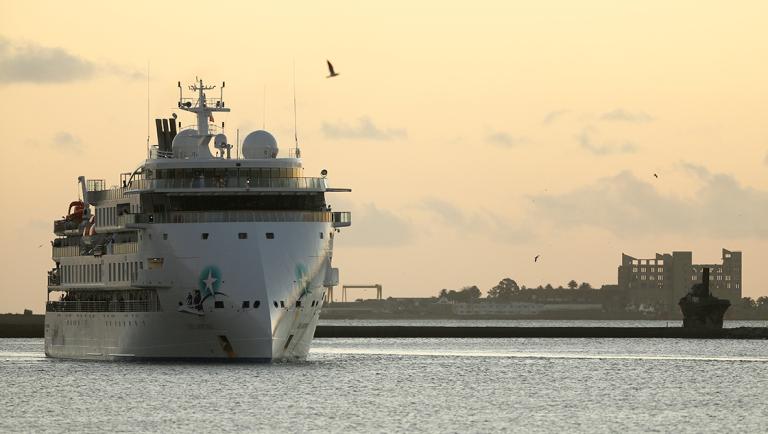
x,y
403,385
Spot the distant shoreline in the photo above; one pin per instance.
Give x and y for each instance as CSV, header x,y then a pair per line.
x,y
32,326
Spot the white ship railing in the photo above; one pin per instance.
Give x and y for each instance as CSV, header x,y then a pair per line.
x,y
337,218
59,252
232,182
124,248
103,306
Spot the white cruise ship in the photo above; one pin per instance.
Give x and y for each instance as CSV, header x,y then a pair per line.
x,y
205,251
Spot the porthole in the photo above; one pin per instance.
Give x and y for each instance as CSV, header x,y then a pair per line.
x,y
256,304
242,235
282,303
246,304
275,303
270,235
204,236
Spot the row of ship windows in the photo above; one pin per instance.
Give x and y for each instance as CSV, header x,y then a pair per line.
x,y
92,273
240,236
264,172
247,304
73,322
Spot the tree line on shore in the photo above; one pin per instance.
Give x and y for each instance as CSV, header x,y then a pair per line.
x,y
506,289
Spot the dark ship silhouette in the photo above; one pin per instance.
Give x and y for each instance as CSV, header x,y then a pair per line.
x,y
700,308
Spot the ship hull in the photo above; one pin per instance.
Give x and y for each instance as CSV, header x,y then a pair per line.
x,y
259,298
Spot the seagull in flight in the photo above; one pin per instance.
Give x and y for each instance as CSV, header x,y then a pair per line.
x,y
655,175
331,72
536,258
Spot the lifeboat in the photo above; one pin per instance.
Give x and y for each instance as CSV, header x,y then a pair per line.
x,y
75,211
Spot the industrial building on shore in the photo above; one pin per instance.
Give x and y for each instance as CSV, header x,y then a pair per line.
x,y
664,279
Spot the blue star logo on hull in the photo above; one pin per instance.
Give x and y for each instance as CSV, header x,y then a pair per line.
x,y
302,279
209,282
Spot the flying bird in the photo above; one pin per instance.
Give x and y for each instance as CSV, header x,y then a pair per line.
x,y
331,72
655,175
536,258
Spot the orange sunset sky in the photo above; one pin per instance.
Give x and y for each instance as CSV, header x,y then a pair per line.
x,y
475,135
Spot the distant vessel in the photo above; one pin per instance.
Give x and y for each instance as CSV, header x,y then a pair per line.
x,y
195,254
700,308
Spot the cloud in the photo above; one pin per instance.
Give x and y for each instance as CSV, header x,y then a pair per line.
x,y
586,140
621,115
627,206
27,62
505,140
364,128
480,222
65,141
374,227
553,116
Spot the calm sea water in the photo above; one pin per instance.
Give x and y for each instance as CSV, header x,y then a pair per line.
x,y
403,385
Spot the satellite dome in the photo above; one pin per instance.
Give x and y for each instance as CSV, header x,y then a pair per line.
x,y
260,144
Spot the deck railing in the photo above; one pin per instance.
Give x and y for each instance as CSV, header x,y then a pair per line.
x,y
124,248
103,306
59,252
231,182
240,216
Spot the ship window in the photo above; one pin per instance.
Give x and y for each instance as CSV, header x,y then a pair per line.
x,y
275,303
204,235
321,235
246,304
270,235
242,235
218,304
298,303
165,236
256,304
282,303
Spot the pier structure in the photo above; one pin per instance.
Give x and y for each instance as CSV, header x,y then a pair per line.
x,y
375,286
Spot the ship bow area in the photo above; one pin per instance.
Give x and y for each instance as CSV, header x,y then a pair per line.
x,y
237,291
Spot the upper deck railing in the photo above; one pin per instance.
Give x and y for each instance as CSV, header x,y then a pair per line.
x,y
338,219
151,305
156,153
228,182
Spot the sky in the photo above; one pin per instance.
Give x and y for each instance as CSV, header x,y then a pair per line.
x,y
474,135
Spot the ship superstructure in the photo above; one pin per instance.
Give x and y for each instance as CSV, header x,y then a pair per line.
x,y
196,254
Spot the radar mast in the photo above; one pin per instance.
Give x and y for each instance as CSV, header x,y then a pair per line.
x,y
203,106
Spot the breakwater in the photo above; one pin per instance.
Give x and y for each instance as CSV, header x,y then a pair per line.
x,y
538,332
31,326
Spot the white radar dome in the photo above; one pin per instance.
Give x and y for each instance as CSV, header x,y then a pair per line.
x,y
260,144
189,144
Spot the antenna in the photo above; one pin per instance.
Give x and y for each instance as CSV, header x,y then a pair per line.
x,y
237,143
148,153
264,110
295,130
